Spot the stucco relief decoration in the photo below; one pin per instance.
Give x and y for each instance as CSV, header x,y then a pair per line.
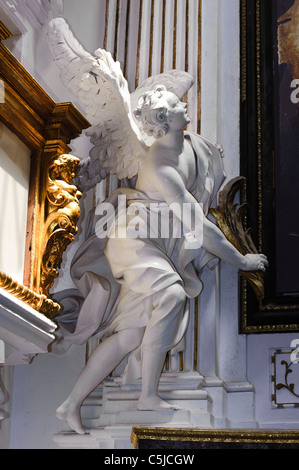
x,y
285,377
148,242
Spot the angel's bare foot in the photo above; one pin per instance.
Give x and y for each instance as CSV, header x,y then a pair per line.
x,y
155,403
72,416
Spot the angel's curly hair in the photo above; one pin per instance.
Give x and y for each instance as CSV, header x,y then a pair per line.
x,y
153,112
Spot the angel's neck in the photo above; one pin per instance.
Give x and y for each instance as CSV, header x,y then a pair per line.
x,y
173,140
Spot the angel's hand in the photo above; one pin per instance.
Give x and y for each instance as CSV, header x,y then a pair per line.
x,y
255,263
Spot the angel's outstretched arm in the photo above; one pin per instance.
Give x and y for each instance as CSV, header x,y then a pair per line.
x,y
167,181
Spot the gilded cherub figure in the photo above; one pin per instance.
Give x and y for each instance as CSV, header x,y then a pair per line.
x,y
63,196
63,212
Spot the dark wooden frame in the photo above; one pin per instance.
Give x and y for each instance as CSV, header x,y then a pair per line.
x,y
275,313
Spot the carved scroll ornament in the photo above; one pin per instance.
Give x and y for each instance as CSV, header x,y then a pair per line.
x,y
63,212
38,302
46,128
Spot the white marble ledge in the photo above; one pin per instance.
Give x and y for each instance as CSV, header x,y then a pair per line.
x,y
24,332
233,387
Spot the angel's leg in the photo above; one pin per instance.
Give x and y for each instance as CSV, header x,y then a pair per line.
x,y
101,363
160,336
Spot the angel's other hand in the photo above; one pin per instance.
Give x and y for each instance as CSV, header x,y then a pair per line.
x,y
254,262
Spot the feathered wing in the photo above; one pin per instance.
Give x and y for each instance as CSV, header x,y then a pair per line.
x,y
97,80
119,144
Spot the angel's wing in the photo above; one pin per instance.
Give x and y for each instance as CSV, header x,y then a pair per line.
x,y
97,80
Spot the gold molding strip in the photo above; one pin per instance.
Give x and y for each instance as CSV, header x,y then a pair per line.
x,y
195,339
4,32
38,302
199,67
106,24
214,436
175,33
265,328
137,74
187,37
116,30
259,124
196,302
150,59
244,51
127,35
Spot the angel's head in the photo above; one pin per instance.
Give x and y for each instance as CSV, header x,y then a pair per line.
x,y
160,110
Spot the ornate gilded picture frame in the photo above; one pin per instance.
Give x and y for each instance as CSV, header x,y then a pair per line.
x,y
270,159
202,439
46,128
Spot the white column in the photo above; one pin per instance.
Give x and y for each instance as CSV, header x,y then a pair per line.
x,y
145,37
169,35
225,355
132,43
157,37
193,65
208,303
232,363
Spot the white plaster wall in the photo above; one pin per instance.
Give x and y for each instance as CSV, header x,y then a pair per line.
x,y
39,388
14,186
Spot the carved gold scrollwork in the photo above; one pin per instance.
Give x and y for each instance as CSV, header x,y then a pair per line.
x,y
62,215
230,219
62,212
36,301
46,128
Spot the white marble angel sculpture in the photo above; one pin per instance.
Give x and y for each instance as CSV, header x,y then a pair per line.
x,y
133,290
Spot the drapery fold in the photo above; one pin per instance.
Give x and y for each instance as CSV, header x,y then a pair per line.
x,y
117,278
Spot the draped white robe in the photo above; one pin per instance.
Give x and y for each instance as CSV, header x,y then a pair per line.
x,y
117,278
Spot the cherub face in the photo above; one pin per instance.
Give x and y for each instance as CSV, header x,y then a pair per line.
x,y
177,112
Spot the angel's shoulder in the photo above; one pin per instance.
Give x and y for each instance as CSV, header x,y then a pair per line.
x,y
158,156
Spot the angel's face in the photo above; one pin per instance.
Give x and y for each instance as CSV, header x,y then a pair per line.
x,y
177,112
160,112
